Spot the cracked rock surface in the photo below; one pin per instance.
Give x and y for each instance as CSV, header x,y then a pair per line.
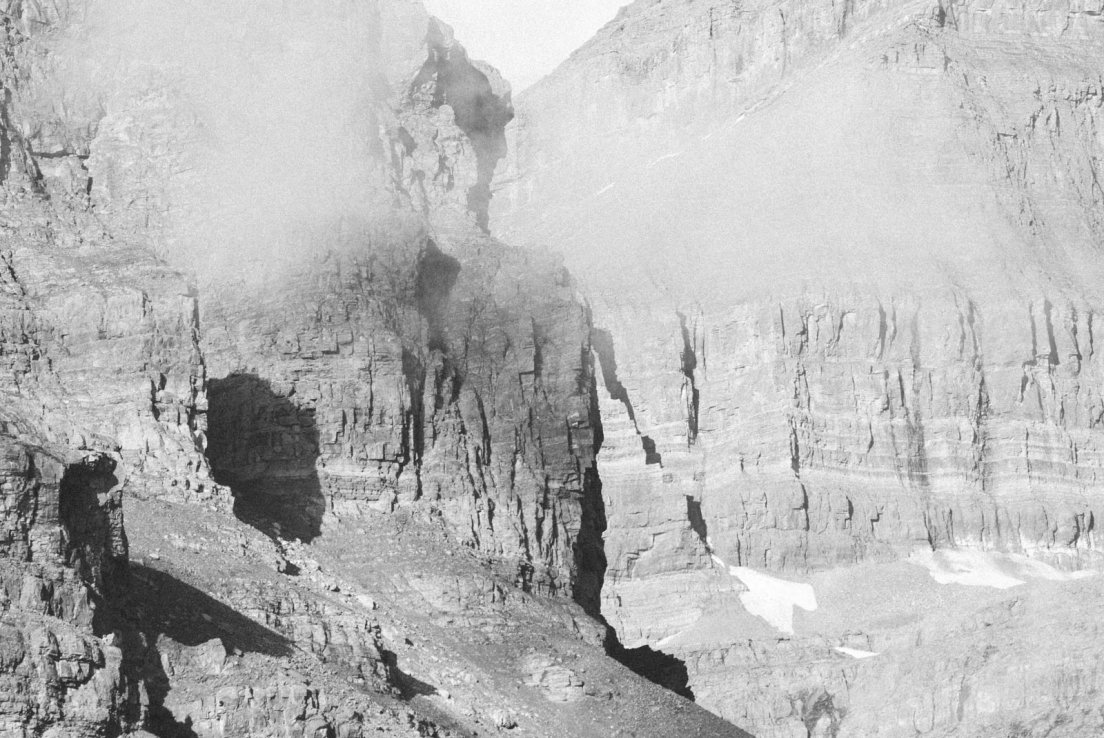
x,y
844,267
247,298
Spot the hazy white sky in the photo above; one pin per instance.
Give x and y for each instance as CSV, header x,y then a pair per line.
x,y
525,39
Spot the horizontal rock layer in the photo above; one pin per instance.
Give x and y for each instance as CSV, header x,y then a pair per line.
x,y
64,551
406,374
844,265
327,326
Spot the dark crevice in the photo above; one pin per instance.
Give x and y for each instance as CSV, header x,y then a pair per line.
x,y
697,521
660,668
689,359
795,449
589,548
971,322
446,386
159,718
602,343
538,351
413,437
484,450
1052,343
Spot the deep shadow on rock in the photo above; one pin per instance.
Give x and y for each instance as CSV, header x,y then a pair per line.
x,y
264,447
660,668
160,604
152,606
602,342
657,667
409,686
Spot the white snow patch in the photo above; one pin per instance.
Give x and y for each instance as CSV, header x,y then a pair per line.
x,y
773,599
855,653
970,568
1035,569
988,569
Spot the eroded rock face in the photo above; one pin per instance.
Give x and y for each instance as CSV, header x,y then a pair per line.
x,y
262,288
479,101
408,375
107,358
413,364
99,336
64,551
414,358
845,264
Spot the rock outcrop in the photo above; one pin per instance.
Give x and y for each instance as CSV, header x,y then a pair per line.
x,y
406,375
248,295
64,551
844,259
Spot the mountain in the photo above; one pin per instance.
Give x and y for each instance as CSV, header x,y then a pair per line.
x,y
292,446
844,267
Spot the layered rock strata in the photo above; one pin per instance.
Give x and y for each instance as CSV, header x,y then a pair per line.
x,y
63,552
254,268
390,373
409,375
845,262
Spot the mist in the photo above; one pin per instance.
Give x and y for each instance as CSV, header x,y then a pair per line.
x,y
252,122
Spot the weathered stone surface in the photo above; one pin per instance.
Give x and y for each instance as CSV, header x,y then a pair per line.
x,y
844,262
406,374
243,262
558,683
63,551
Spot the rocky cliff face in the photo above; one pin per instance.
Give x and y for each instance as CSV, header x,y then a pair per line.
x,y
248,295
407,375
64,551
844,264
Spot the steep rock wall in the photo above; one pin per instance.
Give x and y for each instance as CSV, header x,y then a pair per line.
x,y
389,377
100,339
63,551
333,364
844,260
407,375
